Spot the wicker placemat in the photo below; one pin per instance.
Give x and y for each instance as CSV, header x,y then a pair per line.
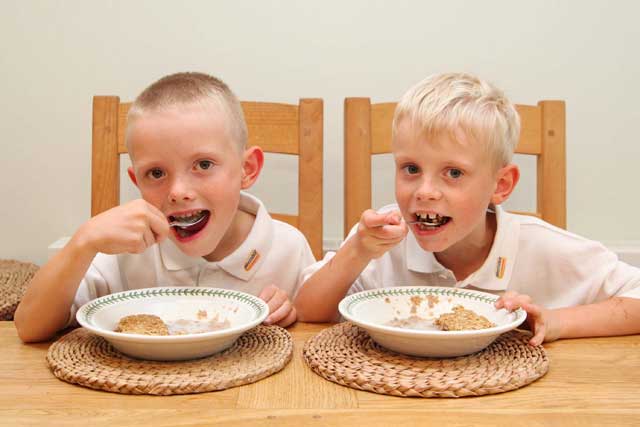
x,y
14,277
83,358
345,354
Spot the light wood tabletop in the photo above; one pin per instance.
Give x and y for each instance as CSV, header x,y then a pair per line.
x,y
590,382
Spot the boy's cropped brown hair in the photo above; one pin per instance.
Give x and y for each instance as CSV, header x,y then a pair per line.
x,y
193,88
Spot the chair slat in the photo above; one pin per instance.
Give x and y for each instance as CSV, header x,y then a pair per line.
x,y
273,127
105,163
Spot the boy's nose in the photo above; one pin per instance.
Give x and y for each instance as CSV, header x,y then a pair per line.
x,y
428,190
180,191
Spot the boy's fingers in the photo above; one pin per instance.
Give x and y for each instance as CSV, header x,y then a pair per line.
x,y
391,234
275,300
532,309
371,218
267,293
506,296
149,238
289,319
158,223
517,301
509,295
393,218
279,313
539,332
537,323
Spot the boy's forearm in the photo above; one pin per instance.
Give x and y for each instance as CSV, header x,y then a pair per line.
x,y
44,309
318,299
615,316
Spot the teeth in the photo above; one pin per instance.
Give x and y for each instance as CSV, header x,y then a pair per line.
x,y
431,219
192,216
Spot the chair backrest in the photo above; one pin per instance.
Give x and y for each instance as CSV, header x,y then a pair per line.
x,y
276,128
367,131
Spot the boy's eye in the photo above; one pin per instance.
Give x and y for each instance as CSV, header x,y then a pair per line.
x,y
155,173
412,169
454,173
204,164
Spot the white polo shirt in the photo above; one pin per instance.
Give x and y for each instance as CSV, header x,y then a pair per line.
x,y
273,253
556,268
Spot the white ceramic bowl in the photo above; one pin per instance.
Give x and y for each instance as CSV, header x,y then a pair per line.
x,y
243,311
372,309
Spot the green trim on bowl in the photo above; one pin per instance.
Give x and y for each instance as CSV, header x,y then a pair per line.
x,y
410,291
107,300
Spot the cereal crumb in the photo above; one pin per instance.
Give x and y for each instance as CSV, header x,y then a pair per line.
x,y
432,300
462,319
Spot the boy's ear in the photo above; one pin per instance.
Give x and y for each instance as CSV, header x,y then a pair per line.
x,y
506,181
252,162
132,176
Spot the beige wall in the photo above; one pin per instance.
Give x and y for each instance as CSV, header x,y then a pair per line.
x,y
56,55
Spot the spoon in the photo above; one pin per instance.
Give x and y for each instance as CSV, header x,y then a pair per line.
x,y
186,223
407,222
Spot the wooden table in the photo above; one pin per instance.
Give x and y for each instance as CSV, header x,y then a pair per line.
x,y
590,382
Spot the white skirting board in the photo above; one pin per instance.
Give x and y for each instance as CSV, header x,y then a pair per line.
x,y
628,251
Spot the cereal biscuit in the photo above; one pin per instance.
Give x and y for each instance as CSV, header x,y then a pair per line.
x,y
462,319
143,324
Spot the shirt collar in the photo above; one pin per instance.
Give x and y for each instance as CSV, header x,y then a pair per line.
x,y
495,272
245,260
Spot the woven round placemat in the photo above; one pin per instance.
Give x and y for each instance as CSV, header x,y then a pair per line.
x,y
83,358
14,277
346,354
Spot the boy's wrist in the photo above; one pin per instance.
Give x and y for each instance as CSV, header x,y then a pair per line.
x,y
355,251
556,324
81,244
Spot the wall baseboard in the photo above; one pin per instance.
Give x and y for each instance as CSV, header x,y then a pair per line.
x,y
627,250
331,244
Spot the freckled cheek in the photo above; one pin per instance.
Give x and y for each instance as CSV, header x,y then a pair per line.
x,y
156,198
401,192
404,195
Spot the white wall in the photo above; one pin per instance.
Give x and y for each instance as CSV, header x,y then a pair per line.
x,y
56,55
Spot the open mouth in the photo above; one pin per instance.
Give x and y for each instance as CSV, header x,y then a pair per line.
x,y
188,225
430,221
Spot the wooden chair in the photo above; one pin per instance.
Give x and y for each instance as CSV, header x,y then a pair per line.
x,y
367,131
276,128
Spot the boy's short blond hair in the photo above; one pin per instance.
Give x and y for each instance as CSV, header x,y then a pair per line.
x,y
182,89
458,101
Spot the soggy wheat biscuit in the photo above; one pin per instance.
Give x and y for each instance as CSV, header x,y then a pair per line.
x,y
143,324
462,319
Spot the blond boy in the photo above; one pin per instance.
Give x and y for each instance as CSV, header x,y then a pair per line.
x,y
187,140
453,141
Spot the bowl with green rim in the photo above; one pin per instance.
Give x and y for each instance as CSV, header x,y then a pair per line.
x,y
403,319
200,321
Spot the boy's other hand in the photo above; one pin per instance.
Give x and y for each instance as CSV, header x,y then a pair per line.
x,y
541,321
379,232
281,311
129,228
